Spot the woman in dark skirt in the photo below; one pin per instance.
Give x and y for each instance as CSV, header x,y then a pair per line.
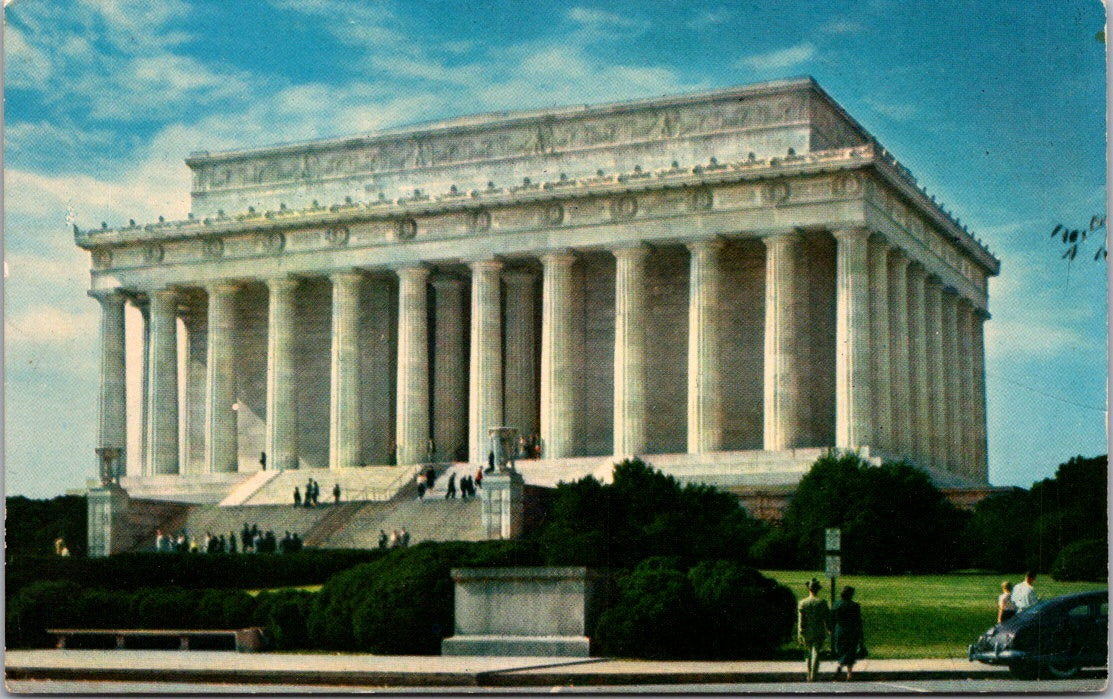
x,y
846,639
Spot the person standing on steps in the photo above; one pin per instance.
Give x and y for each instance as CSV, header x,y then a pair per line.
x,y
297,497
450,489
336,493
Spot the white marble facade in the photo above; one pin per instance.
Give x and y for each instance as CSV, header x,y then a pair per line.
x,y
738,270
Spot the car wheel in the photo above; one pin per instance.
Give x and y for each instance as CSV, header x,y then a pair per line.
x,y
1062,669
1024,671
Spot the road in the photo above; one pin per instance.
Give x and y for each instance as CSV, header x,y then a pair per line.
x,y
991,686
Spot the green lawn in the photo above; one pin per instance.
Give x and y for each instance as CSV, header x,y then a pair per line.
x,y
925,616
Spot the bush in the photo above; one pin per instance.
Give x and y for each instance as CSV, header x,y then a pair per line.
x,y
715,610
36,608
284,615
31,526
1086,560
403,603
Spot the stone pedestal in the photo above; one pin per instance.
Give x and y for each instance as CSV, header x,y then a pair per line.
x,y
503,505
107,508
524,611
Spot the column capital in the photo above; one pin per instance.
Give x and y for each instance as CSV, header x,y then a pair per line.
x,y
519,276
280,283
781,240
564,257
226,285
898,258
715,243
346,276
633,253
109,297
858,233
489,264
917,271
413,273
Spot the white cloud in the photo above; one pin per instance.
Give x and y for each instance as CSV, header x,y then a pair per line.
x,y
605,22
780,59
50,324
842,26
897,111
708,18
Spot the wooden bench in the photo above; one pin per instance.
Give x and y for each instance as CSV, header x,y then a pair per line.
x,y
247,640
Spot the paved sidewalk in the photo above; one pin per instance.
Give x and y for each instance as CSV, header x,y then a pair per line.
x,y
443,671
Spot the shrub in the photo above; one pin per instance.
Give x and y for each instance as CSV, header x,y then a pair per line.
x,y
1086,560
31,526
37,607
655,615
746,614
285,617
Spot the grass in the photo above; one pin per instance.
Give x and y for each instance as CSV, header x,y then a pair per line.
x,y
926,616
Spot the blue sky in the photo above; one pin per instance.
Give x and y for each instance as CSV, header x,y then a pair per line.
x,y
997,107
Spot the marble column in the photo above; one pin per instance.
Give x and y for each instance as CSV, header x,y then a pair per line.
x,y
853,385
559,379
144,307
884,432
705,400
112,416
785,406
937,391
162,395
903,443
195,320
345,440
485,389
221,445
952,370
965,399
282,397
981,446
520,380
412,434
920,377
450,389
629,351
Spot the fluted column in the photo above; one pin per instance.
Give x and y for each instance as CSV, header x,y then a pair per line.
x,y
559,379
981,446
162,396
195,320
952,371
282,397
413,365
705,400
485,389
112,397
965,398
920,376
345,440
520,387
221,447
937,391
853,385
450,390
144,307
903,442
880,302
784,400
629,351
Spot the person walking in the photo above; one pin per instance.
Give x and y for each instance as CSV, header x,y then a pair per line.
x,y
1005,608
846,634
813,621
1024,594
450,489
297,497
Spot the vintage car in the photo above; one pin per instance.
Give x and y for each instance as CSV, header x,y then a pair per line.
x,y
1053,638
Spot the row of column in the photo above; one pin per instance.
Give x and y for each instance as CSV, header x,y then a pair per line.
x,y
909,361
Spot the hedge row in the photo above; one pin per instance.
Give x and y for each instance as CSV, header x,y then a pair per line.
x,y
131,571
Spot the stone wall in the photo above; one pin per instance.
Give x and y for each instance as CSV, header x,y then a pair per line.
x,y
666,343
742,333
314,330
596,408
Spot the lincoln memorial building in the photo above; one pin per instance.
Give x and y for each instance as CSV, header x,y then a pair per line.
x,y
724,284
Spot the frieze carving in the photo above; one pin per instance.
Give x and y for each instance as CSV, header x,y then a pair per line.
x,y
479,221
552,215
550,135
846,185
624,208
271,243
153,253
102,258
337,236
775,192
406,229
700,199
213,247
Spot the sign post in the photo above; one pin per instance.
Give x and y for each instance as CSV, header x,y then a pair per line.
x,y
834,559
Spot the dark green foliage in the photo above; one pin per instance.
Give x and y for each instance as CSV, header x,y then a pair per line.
x,y
655,615
892,517
131,571
715,610
403,603
285,617
745,614
1086,560
1021,529
644,513
39,606
31,526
